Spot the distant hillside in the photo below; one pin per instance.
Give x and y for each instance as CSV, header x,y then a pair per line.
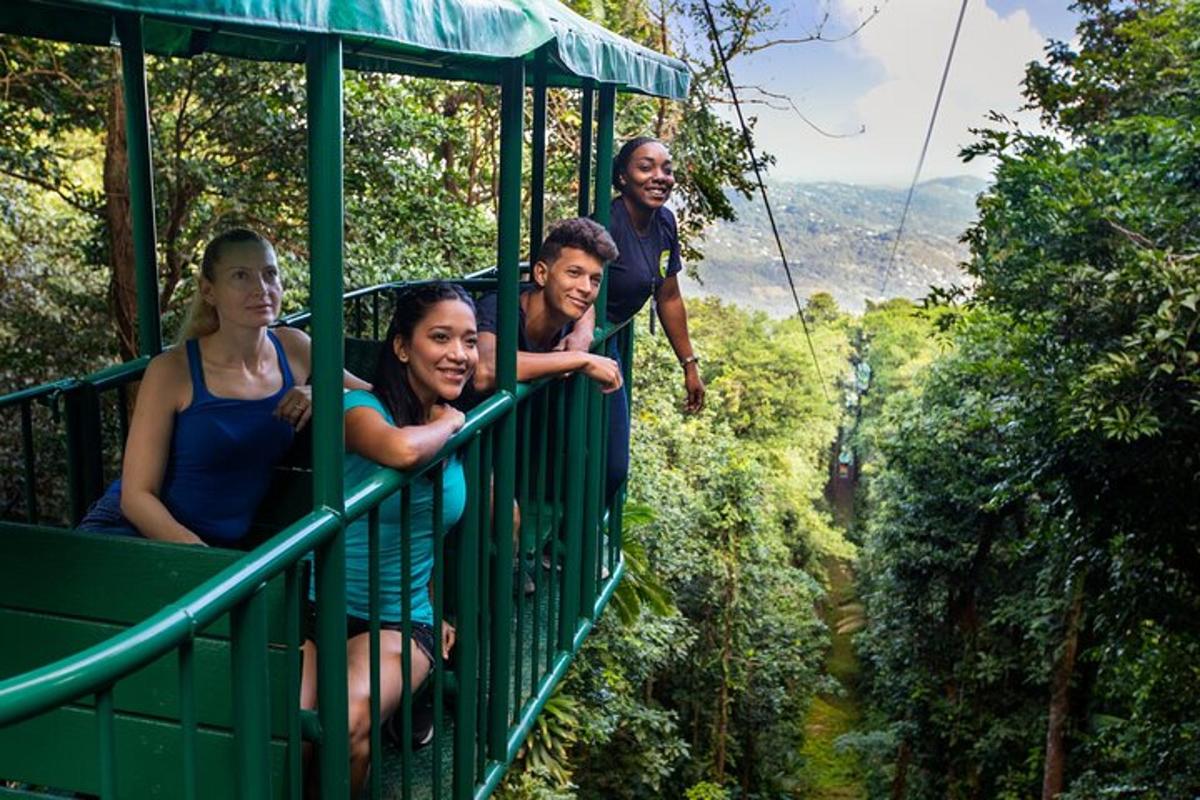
x,y
838,239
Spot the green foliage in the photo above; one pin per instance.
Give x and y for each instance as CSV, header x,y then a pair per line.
x,y
709,692
1033,492
706,790
641,585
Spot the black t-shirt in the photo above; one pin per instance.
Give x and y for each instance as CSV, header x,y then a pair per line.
x,y
486,313
485,322
644,263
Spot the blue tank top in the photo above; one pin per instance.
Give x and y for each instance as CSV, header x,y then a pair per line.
x,y
222,452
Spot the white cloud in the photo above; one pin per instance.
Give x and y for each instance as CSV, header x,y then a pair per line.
x,y
906,46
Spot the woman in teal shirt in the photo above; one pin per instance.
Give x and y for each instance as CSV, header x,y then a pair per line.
x,y
429,355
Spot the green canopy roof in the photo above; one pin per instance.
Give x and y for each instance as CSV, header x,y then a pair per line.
x,y
452,39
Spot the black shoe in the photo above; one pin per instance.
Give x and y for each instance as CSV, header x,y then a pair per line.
x,y
422,727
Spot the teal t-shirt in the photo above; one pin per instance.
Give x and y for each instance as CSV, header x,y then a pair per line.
x,y
392,582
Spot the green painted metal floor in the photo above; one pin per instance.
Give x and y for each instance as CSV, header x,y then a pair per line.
x,y
424,768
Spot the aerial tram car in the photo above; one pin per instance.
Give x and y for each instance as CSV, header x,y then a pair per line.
x,y
132,668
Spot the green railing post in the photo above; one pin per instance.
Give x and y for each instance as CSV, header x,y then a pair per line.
x,y
29,459
574,478
141,181
106,737
187,718
537,179
326,211
586,103
85,454
252,720
466,657
512,118
604,157
592,497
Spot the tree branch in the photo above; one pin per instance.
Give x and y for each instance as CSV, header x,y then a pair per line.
x,y
50,187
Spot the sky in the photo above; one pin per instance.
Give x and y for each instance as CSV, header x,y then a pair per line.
x,y
884,79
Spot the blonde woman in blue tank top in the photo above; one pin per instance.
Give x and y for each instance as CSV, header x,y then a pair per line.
x,y
215,414
429,355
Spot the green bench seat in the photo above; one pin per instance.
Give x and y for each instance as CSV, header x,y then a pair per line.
x,y
61,592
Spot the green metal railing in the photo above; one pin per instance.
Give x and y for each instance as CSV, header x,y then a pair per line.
x,y
496,699
539,447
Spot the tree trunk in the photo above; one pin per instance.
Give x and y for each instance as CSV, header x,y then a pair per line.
x,y
122,286
900,778
1054,777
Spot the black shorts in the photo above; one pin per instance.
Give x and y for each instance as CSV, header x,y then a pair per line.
x,y
422,634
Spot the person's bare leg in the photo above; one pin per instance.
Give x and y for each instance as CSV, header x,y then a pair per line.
x,y
391,685
308,701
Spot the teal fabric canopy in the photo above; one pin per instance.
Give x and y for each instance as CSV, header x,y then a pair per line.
x,y
452,39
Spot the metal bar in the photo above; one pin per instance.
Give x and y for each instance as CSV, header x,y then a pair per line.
x,y
123,412
439,602
406,624
525,417
605,124
29,456
292,601
467,657
107,741
537,178
574,479
604,158
593,483
554,604
187,718
141,180
373,636
495,773
512,115
542,508
616,528
486,555
375,317
251,717
84,453
607,515
326,217
586,110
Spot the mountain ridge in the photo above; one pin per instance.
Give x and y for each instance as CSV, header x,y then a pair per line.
x,y
838,238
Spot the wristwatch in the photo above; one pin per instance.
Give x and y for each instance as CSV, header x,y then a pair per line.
x,y
683,362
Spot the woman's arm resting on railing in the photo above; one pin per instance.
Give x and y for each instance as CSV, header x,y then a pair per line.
x,y
673,314
148,448
372,437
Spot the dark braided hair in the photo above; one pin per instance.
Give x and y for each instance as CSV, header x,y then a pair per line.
x,y
391,382
621,162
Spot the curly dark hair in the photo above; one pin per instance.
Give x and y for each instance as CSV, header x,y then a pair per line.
x,y
582,234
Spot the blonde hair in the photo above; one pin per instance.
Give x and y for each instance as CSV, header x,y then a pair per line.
x,y
202,317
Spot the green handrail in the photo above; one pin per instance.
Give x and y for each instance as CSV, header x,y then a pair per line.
x,y
73,677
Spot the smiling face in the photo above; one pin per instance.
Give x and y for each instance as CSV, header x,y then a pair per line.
x,y
649,176
572,282
245,288
441,354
